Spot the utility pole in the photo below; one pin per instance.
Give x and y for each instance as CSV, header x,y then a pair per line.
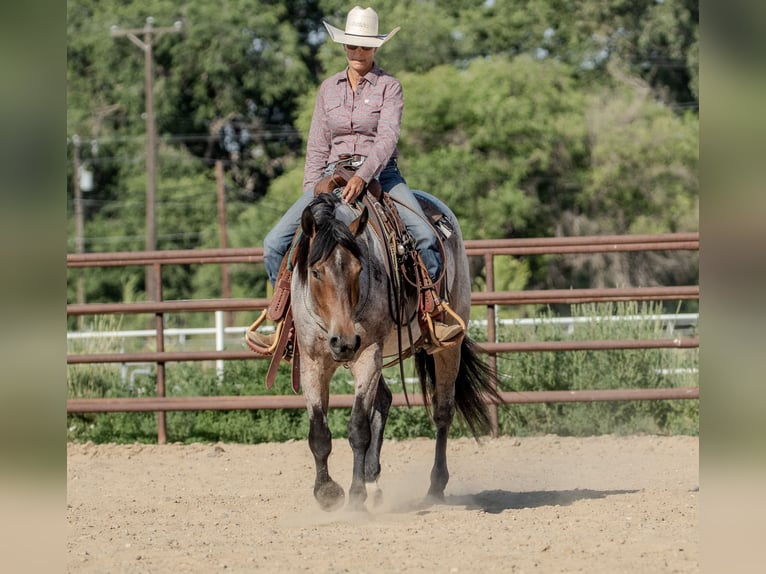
x,y
78,218
150,33
222,242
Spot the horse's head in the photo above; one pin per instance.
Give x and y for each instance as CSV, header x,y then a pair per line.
x,y
330,265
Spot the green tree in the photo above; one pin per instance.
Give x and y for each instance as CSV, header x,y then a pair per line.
x,y
652,39
531,118
225,88
501,141
643,178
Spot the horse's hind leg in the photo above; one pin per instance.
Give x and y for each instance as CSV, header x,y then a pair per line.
x,y
378,417
442,369
443,414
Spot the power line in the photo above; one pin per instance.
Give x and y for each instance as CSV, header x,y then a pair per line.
x,y
265,134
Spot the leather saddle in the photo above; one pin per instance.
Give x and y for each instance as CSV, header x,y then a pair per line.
x,y
403,267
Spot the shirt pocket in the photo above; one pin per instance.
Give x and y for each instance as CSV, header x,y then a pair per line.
x,y
332,103
335,115
373,104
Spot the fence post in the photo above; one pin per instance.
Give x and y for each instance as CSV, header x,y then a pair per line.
x,y
219,333
489,264
159,321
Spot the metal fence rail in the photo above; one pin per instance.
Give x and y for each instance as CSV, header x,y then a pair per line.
x,y
487,249
227,403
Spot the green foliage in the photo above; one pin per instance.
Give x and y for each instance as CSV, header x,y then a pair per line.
x,y
240,378
96,380
644,177
531,118
227,57
408,422
497,141
187,379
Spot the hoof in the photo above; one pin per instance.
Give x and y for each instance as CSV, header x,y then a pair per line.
x,y
357,506
434,497
330,496
375,493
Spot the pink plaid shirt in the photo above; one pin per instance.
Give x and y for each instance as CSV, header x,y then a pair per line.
x,y
366,123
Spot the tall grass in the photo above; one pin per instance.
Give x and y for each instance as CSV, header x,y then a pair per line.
x,y
94,380
523,372
608,369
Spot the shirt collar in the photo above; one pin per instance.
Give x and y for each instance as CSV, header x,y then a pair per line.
x,y
371,76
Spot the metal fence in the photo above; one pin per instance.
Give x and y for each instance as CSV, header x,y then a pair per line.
x,y
487,249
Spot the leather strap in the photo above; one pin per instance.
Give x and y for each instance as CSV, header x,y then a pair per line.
x,y
281,299
279,351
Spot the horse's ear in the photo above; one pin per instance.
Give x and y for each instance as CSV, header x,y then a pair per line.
x,y
358,226
308,223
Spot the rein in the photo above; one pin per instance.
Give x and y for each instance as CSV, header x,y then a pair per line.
x,y
439,241
389,232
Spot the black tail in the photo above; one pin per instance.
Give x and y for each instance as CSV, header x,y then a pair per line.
x,y
476,383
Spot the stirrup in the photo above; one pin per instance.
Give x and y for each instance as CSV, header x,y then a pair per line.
x,y
253,342
434,343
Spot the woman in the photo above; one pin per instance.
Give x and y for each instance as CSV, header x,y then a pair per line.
x,y
358,112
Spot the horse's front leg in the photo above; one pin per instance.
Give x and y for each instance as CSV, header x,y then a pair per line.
x,y
316,390
366,370
378,418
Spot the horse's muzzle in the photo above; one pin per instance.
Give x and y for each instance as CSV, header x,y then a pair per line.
x,y
344,348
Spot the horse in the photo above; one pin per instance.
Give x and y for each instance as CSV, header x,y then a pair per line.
x,y
342,304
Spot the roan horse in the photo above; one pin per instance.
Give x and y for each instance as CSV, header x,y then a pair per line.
x,y
342,310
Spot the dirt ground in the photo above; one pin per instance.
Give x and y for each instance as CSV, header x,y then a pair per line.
x,y
541,504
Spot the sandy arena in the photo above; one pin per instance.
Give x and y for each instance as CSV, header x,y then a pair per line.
x,y
542,504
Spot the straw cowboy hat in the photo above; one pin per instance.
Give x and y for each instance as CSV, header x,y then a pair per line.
x,y
361,29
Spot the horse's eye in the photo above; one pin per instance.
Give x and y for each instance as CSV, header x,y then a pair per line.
x,y
315,274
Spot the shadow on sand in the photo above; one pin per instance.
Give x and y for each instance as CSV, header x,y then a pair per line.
x,y
496,501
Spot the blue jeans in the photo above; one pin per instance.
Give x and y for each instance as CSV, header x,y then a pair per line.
x,y
277,242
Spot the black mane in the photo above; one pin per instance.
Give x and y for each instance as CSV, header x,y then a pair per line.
x,y
319,219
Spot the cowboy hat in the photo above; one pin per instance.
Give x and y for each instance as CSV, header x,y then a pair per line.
x,y
361,29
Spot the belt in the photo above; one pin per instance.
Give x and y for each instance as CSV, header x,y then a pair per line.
x,y
345,159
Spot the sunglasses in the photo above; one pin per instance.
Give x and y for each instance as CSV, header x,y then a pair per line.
x,y
352,48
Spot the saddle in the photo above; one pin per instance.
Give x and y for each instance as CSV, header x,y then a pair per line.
x,y
407,272
404,265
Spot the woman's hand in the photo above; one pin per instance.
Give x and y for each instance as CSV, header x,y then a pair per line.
x,y
353,189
